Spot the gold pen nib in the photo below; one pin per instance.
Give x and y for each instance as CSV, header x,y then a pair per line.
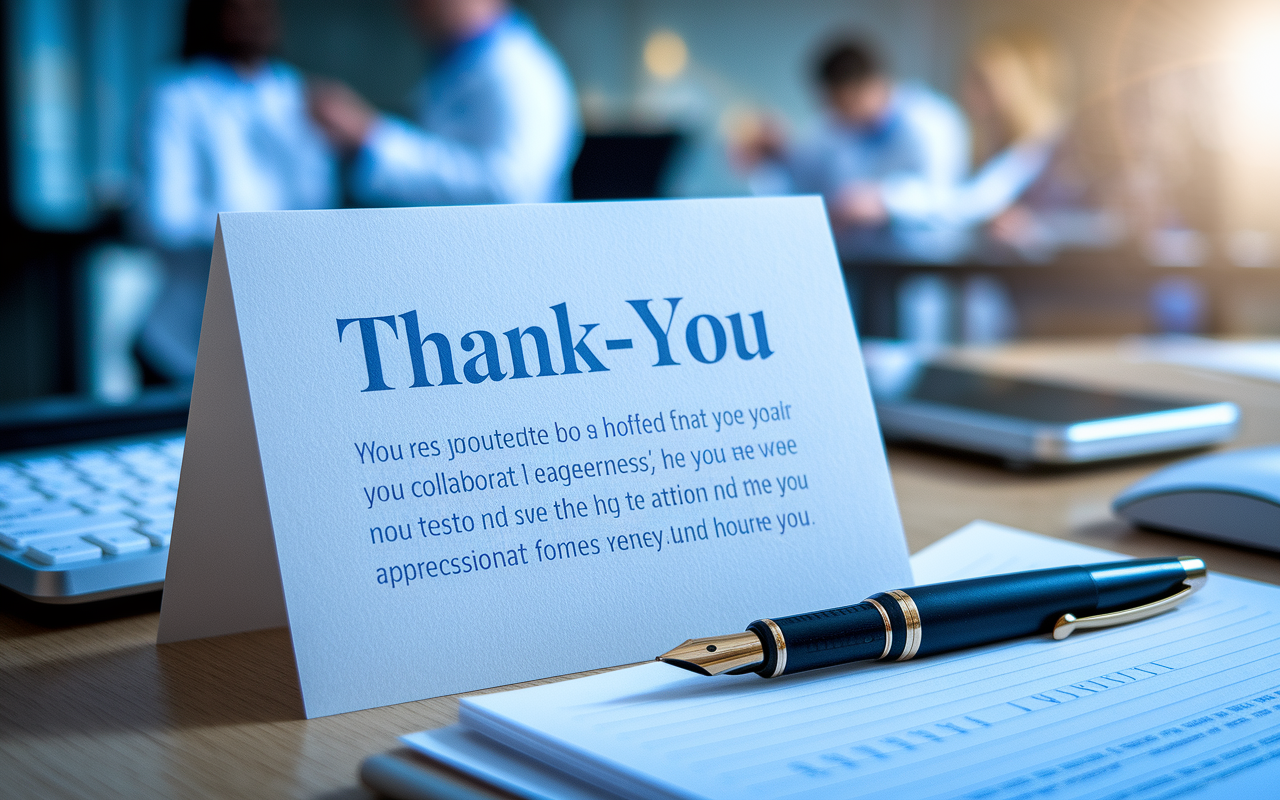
x,y
717,654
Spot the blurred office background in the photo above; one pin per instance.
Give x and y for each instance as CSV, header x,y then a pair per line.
x,y
1174,153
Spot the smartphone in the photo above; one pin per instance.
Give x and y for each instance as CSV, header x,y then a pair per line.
x,y
1027,421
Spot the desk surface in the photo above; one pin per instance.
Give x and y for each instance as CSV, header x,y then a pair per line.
x,y
98,710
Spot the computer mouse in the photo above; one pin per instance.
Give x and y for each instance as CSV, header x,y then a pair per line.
x,y
1233,497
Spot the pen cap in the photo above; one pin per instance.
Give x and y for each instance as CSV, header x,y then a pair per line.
x,y
1125,584
982,610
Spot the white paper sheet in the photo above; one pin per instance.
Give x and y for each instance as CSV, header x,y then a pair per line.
x,y
1183,704
503,767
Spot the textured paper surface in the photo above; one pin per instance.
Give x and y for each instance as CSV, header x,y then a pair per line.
x,y
377,621
1184,704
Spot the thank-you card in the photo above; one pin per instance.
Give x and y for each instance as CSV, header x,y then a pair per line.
x,y
455,448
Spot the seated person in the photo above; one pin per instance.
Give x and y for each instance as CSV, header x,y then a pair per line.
x,y
497,119
228,130
884,153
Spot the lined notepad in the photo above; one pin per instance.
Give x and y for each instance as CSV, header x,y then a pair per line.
x,y
1188,702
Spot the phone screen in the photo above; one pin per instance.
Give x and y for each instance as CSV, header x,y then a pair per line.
x,y
1029,399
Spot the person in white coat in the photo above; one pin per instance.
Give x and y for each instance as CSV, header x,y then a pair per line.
x,y
227,130
885,152
496,121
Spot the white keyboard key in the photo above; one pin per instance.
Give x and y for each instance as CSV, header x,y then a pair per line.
x,y
166,475
63,550
18,486
31,512
115,483
160,512
10,478
92,459
21,495
144,461
18,525
135,448
172,447
151,495
156,473
117,541
23,535
46,467
101,502
158,532
44,481
107,470
66,488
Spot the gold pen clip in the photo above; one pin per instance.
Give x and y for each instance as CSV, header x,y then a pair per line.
x,y
1197,574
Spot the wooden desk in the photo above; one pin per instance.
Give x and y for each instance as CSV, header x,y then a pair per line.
x,y
98,710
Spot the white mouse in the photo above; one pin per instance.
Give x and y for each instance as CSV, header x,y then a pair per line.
x,y
1233,497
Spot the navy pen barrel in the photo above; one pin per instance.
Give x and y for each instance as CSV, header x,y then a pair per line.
x,y
1122,584
982,610
821,639
929,619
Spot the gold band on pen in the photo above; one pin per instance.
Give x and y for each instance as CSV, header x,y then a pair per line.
x,y
912,616
888,628
780,643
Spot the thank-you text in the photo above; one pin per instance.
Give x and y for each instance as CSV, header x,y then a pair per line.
x,y
528,352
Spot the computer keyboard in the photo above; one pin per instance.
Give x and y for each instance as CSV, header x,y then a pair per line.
x,y
88,521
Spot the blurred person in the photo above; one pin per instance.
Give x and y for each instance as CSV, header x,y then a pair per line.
x,y
497,120
1031,188
884,153
228,130
1012,94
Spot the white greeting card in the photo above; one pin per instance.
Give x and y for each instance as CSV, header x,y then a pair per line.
x,y
455,448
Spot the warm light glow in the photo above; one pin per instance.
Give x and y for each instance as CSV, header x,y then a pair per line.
x,y
665,55
1247,122
1253,73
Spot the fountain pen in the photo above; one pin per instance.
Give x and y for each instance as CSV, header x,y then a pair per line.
x,y
904,623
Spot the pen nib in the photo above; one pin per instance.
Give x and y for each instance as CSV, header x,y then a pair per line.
x,y
717,654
